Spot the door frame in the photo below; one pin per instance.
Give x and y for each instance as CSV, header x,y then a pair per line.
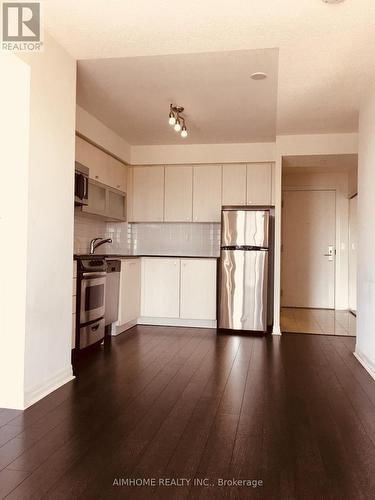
x,y
337,238
354,312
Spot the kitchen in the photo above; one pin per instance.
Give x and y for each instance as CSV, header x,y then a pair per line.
x,y
111,208
162,238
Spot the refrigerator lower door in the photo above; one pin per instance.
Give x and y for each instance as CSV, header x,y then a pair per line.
x,y
243,290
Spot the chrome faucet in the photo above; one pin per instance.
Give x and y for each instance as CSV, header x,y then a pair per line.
x,y
96,242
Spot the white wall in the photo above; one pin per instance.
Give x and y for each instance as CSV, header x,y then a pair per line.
x,y
203,153
365,347
50,220
14,152
339,183
94,130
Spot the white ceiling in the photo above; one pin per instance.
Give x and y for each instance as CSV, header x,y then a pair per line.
x,y
222,103
326,52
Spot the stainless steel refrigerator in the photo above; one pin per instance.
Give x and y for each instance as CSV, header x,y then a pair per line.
x,y
245,277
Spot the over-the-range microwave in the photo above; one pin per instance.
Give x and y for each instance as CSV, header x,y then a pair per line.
x,y
81,184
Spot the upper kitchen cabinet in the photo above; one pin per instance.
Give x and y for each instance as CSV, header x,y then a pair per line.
x,y
148,194
178,198
207,193
259,184
234,184
102,166
105,201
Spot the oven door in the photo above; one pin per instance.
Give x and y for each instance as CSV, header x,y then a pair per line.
x,y
92,296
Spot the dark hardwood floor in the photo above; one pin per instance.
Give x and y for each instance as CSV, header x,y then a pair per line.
x,y
295,412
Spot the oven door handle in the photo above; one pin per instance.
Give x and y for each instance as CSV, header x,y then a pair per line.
x,y
93,275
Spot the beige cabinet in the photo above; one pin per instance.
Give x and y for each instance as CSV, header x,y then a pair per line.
x,y
148,194
116,205
160,287
103,167
130,294
234,184
207,193
198,289
178,196
97,199
259,184
105,201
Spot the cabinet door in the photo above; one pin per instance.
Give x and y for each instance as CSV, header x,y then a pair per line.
x,y
198,289
160,287
259,184
116,205
148,194
95,159
207,193
130,291
117,175
97,199
234,184
178,198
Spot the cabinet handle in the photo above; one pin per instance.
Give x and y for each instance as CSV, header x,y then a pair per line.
x,y
97,177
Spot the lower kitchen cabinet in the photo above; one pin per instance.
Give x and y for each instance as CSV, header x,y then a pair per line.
x,y
160,287
198,289
178,292
130,294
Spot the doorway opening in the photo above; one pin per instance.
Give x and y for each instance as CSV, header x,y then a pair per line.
x,y
318,244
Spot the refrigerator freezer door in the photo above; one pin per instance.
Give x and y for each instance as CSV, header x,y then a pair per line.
x,y
245,228
243,290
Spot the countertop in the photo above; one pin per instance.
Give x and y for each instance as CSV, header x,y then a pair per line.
x,y
125,256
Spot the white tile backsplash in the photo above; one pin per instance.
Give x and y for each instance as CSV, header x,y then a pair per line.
x,y
147,238
175,239
87,227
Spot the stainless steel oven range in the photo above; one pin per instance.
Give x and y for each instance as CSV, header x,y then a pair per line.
x,y
90,301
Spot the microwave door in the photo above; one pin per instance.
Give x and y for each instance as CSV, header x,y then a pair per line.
x,y
80,186
85,190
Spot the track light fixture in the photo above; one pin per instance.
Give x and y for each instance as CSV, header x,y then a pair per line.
x,y
176,120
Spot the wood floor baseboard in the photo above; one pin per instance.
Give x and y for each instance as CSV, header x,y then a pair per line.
x,y
34,394
365,362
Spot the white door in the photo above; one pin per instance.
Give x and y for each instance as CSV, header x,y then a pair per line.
x,y
259,184
308,237
148,194
198,289
130,291
178,201
160,287
353,254
207,193
234,184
